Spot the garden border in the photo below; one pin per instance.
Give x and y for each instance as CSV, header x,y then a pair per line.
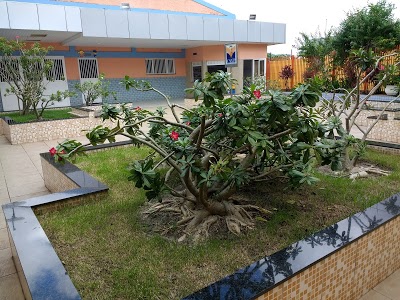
x,y
271,277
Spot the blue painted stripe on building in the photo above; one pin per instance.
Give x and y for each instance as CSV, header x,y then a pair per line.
x,y
73,52
112,7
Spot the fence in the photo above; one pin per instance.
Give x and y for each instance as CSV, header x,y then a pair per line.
x,y
299,66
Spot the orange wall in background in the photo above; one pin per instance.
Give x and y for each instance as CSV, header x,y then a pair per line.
x,y
163,50
249,51
71,68
134,67
105,49
246,51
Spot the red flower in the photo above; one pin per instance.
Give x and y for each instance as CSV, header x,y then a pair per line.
x,y
220,115
53,151
138,108
174,135
187,123
257,94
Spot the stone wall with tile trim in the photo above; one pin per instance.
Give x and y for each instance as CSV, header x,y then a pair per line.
x,y
54,180
5,129
76,201
348,273
50,130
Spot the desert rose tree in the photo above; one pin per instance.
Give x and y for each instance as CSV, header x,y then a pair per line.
x,y
216,148
348,107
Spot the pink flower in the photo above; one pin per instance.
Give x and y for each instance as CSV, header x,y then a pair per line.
x,y
188,123
138,108
53,151
257,94
220,115
174,135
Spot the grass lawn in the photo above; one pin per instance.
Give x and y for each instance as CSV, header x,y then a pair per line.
x,y
49,114
110,254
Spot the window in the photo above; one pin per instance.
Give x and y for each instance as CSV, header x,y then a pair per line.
x,y
160,66
88,68
259,69
196,72
57,69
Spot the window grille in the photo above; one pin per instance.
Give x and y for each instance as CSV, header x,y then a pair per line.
x,y
160,66
5,73
88,68
57,69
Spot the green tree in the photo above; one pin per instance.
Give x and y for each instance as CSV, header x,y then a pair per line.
x,y
218,147
92,90
314,48
373,27
24,69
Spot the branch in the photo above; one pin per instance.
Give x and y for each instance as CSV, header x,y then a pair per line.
x,y
170,123
163,160
258,177
201,133
195,132
182,107
278,135
377,119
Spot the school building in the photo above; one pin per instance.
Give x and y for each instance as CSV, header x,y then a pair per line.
x,y
166,42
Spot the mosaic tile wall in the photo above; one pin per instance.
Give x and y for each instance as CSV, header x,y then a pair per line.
x,y
50,130
348,273
172,86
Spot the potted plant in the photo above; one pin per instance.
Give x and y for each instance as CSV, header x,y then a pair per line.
x,y
392,81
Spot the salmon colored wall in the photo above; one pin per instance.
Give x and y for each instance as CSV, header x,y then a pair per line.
x,y
171,5
190,54
99,49
71,68
249,51
133,67
158,50
246,51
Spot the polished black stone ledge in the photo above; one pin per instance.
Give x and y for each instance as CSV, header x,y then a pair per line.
x,y
260,277
43,275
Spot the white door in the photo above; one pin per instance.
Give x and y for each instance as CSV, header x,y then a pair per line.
x,y
58,80
10,102
88,71
57,83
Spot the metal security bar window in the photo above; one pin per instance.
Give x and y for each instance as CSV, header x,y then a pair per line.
x,y
88,68
57,69
11,73
160,66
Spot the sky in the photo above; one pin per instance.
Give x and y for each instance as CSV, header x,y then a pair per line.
x,y
308,16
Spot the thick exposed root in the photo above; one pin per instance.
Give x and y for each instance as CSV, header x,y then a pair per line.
x,y
196,224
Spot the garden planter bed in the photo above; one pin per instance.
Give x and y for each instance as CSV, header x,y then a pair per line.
x,y
362,248
19,133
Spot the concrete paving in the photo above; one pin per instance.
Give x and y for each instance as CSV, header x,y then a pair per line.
x,y
21,177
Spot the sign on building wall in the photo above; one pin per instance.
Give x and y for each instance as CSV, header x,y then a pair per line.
x,y
231,55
